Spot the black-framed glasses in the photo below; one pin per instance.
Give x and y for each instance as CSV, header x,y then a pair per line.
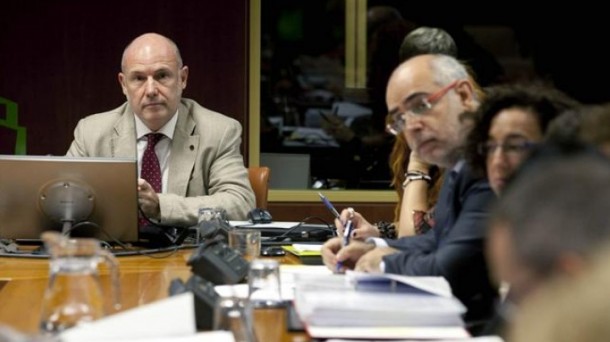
x,y
517,146
416,106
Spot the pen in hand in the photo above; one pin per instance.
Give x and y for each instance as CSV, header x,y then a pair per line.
x,y
330,207
347,234
348,226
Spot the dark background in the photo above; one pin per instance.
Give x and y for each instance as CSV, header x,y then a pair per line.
x,y
567,43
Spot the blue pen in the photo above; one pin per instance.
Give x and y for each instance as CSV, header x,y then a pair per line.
x,y
330,206
348,227
347,234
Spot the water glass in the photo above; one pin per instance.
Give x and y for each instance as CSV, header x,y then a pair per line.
x,y
235,314
246,242
264,287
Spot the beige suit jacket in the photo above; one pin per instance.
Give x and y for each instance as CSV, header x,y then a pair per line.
x,y
206,168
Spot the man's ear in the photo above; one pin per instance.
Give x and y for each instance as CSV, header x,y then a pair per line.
x,y
121,78
465,90
184,74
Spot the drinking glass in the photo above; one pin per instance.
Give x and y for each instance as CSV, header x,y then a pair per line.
x,y
235,314
246,242
264,287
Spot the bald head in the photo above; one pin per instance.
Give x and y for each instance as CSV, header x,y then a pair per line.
x,y
429,92
442,69
152,78
417,66
148,44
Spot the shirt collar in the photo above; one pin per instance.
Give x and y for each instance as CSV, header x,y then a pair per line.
x,y
458,166
168,129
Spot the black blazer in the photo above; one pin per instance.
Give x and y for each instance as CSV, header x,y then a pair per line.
x,y
454,247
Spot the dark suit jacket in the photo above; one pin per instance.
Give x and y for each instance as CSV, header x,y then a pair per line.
x,y
206,168
454,247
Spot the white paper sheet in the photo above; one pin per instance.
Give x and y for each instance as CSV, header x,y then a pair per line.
x,y
275,224
170,317
288,274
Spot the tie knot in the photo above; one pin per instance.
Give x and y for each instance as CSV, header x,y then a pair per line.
x,y
153,138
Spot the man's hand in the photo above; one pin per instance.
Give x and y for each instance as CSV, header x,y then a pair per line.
x,y
362,228
148,200
334,253
371,261
329,252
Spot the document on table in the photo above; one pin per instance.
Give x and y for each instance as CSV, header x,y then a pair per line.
x,y
388,282
379,306
274,224
167,319
304,250
380,333
471,339
288,275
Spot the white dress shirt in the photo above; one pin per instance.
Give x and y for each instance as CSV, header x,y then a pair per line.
x,y
162,149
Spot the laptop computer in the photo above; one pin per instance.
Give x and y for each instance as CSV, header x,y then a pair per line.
x,y
90,197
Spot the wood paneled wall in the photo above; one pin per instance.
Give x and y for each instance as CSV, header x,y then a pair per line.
x,y
59,59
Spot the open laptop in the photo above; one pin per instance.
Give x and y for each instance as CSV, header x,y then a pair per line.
x,y
93,197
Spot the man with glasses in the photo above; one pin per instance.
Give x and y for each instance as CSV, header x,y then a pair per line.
x,y
425,97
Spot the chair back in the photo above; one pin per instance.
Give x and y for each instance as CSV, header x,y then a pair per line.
x,y
259,179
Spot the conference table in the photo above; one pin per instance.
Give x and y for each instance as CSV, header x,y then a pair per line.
x,y
144,279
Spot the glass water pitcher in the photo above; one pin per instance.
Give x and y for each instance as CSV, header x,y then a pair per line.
x,y
74,293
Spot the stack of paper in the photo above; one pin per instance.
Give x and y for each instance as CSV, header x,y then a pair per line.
x,y
389,306
310,254
304,249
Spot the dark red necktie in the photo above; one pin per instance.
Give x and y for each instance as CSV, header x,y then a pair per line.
x,y
151,171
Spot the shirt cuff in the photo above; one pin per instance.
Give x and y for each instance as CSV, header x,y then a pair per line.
x,y
378,242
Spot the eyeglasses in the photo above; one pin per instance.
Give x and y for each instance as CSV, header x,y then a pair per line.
x,y
415,105
511,146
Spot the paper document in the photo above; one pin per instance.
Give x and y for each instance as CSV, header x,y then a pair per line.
x,y
288,275
356,304
380,333
470,339
393,282
275,224
303,250
307,247
216,336
170,317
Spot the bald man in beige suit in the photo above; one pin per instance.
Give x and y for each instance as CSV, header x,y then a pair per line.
x,y
201,164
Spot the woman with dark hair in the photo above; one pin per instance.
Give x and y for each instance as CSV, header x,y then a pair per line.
x,y
510,121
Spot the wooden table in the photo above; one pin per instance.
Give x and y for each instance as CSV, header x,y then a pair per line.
x,y
144,279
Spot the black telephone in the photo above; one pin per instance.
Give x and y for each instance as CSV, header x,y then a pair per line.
x,y
205,298
218,263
